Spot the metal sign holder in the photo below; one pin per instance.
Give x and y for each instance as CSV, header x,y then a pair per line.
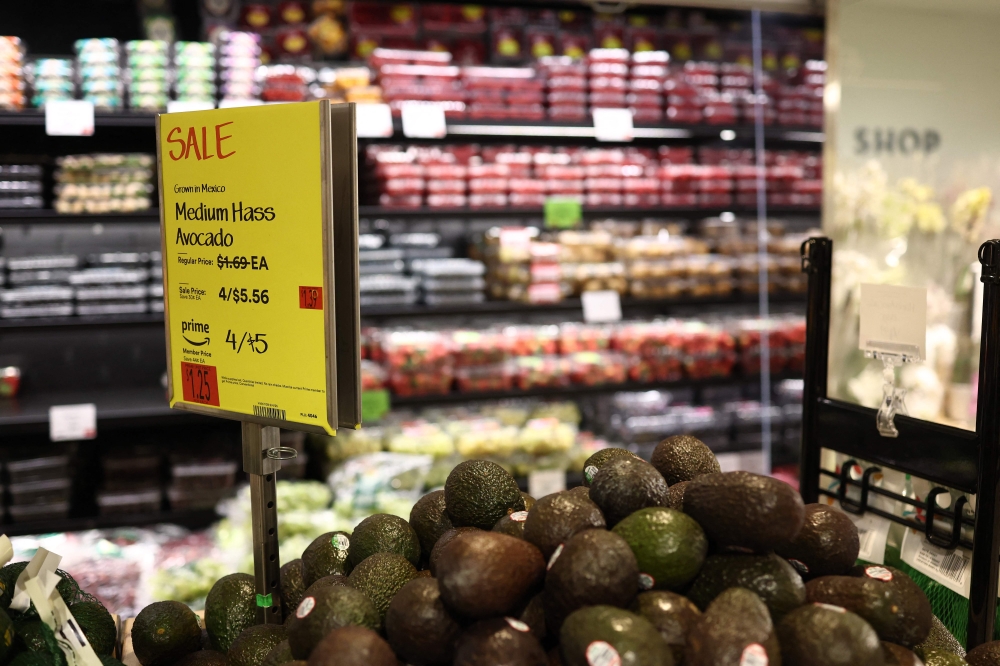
x,y
952,457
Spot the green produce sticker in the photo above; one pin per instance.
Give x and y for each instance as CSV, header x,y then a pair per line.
x,y
340,542
562,213
374,404
590,472
264,600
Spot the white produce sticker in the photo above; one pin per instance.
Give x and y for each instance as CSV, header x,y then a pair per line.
x,y
340,542
519,516
831,607
646,582
951,568
555,556
799,565
589,473
878,573
872,533
517,625
600,653
754,655
305,607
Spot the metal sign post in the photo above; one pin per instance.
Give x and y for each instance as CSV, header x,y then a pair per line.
x,y
261,460
258,219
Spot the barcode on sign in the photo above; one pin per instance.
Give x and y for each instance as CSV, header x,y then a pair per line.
x,y
269,412
953,566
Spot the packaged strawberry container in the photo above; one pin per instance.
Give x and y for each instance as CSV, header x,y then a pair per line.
x,y
561,66
479,348
576,337
436,381
487,200
608,55
485,378
373,376
411,350
405,201
447,200
749,333
437,186
708,350
529,340
591,368
533,372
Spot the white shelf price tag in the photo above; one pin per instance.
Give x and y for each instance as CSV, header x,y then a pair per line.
x,y
893,320
613,125
69,117
545,482
422,120
601,306
182,105
69,423
373,121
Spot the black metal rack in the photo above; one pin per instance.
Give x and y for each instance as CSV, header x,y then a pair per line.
x,y
960,459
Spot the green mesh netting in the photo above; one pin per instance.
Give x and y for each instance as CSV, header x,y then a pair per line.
x,y
950,607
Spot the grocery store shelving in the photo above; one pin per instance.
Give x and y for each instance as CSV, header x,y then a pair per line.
x,y
588,211
190,519
47,215
103,320
486,129
115,408
576,391
31,215
125,407
485,308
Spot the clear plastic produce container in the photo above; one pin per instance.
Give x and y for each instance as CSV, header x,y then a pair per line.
x,y
38,469
117,503
38,492
198,474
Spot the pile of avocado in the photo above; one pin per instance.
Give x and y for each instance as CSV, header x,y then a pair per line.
x,y
26,641
648,564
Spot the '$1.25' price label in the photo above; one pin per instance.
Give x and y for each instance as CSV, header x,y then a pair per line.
x,y
200,383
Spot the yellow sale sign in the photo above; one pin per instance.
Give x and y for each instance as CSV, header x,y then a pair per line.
x,y
245,213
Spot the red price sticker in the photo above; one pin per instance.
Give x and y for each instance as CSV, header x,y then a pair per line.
x,y
311,298
200,383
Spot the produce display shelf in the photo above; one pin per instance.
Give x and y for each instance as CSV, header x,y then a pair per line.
x,y
47,215
32,215
575,391
145,405
190,519
589,211
485,128
629,305
115,408
101,320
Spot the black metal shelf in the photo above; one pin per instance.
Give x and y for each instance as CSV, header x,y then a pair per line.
x,y
385,312
103,320
190,519
33,215
146,406
576,391
479,129
115,408
588,211
47,215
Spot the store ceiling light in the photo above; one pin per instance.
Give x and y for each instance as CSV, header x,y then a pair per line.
x,y
727,135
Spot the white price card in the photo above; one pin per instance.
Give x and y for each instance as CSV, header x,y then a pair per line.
x,y
893,320
236,103
545,482
72,422
422,120
601,306
69,117
951,568
613,125
373,121
872,533
182,105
